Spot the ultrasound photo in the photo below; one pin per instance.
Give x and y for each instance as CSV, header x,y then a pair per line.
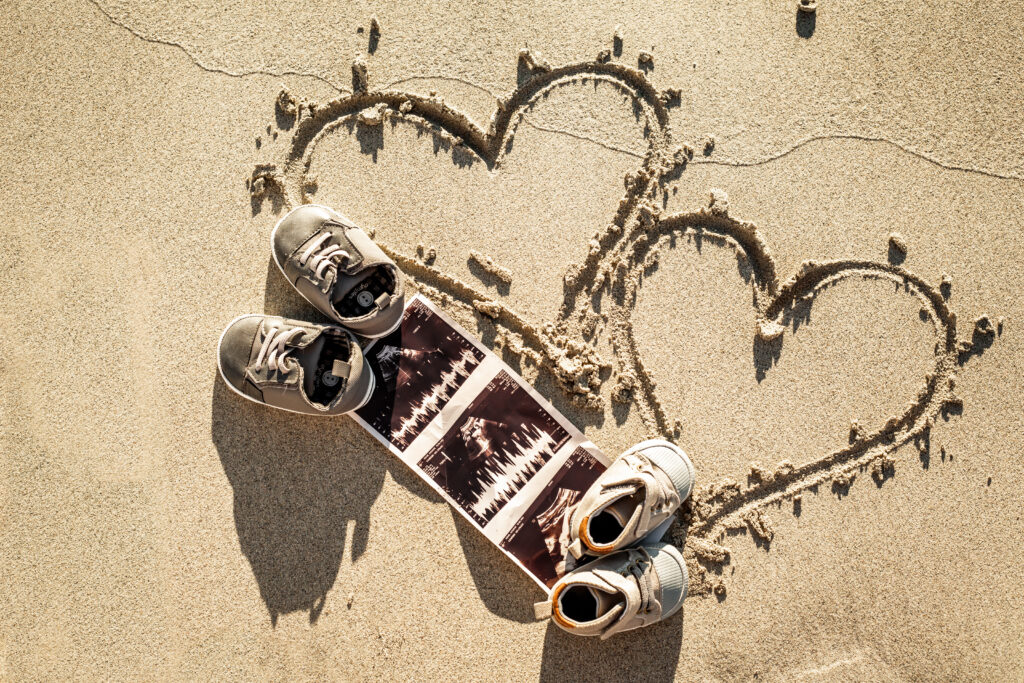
x,y
498,443
535,539
418,367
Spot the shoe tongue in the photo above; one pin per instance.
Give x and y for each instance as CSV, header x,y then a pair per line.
x,y
624,507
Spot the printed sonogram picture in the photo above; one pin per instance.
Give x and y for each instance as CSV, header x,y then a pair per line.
x,y
535,538
418,367
495,446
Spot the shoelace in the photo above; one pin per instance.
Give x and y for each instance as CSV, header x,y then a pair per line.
x,y
327,257
274,349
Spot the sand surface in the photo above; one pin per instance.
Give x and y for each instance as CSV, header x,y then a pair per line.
x,y
156,526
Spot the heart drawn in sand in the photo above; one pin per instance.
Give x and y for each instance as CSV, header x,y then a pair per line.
x,y
600,291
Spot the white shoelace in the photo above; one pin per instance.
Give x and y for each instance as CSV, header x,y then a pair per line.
x,y
327,257
274,349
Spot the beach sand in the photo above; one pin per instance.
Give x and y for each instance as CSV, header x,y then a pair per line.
x,y
858,437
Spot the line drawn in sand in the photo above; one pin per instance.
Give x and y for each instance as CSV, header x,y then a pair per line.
x,y
600,291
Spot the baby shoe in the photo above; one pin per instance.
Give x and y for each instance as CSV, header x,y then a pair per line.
x,y
632,501
618,592
338,268
296,366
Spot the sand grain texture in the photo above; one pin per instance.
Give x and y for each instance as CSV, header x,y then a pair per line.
x,y
708,249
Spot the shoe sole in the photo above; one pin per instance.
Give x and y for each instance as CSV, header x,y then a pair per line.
x,y
273,253
220,369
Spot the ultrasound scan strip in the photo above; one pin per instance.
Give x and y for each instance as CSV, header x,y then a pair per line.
x,y
481,436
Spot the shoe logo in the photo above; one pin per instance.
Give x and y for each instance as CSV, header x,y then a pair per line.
x,y
609,274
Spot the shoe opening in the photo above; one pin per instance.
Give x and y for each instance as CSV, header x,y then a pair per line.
x,y
322,386
607,525
583,604
578,603
362,297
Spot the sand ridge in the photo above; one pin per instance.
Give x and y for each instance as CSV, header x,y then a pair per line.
x,y
599,292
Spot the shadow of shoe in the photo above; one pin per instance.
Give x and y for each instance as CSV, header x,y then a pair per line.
x,y
646,654
298,482
504,588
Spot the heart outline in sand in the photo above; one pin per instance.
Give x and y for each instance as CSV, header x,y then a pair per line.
x,y
609,276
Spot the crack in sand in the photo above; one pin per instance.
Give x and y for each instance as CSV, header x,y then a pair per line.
x,y
585,138
406,79
865,138
453,79
601,291
206,67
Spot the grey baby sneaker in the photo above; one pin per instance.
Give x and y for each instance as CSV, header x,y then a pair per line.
x,y
619,592
296,366
633,501
338,268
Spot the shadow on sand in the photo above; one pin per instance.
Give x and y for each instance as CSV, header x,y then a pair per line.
x,y
299,484
646,654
